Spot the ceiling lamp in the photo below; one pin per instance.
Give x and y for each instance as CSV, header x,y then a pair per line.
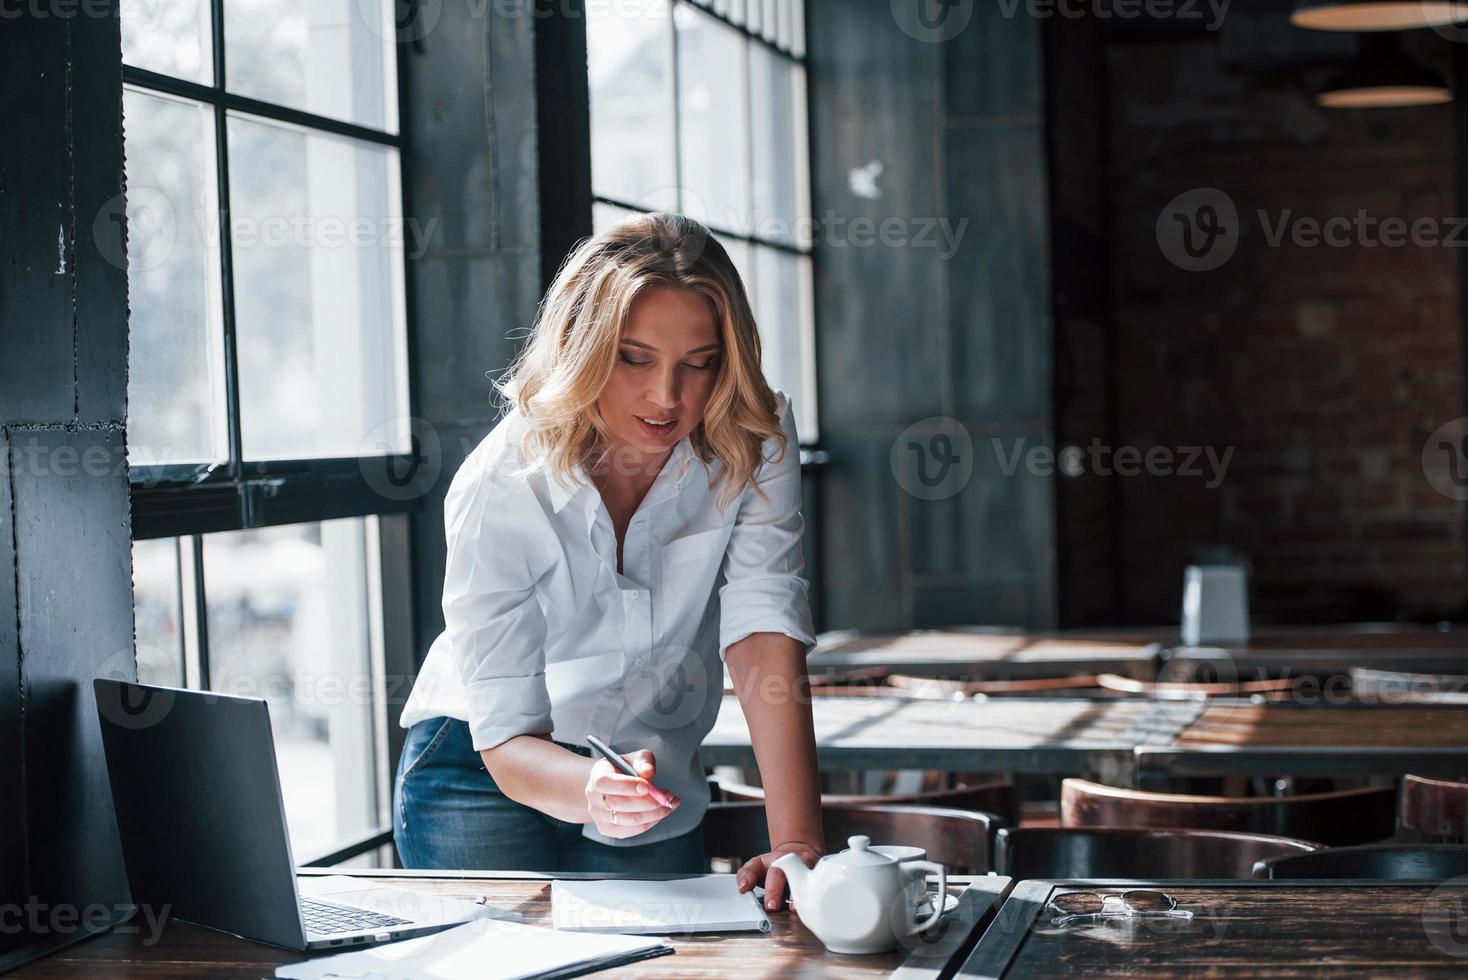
x,y
1383,77
1378,15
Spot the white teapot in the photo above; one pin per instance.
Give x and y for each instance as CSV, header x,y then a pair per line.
x,y
858,901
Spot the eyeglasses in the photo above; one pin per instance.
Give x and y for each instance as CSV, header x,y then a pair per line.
x,y
1074,908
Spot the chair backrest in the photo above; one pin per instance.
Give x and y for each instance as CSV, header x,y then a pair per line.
x,y
1353,816
1379,862
958,839
1189,691
996,798
1435,810
1108,852
944,688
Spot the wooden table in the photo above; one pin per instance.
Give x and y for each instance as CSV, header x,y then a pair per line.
x,y
186,950
1035,735
989,653
1231,736
1324,651
1239,929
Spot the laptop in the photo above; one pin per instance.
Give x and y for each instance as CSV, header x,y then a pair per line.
x,y
202,822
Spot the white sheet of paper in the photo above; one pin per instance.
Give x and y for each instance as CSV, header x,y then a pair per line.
x,y
711,903
485,949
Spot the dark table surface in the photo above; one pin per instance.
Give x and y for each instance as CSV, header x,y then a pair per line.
x,y
789,950
1238,929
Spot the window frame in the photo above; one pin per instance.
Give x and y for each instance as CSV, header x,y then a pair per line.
x,y
756,29
181,499
187,501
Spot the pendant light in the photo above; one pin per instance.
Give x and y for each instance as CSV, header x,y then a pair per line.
x,y
1378,15
1382,77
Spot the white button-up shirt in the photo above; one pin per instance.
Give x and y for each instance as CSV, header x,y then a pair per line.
x,y
543,635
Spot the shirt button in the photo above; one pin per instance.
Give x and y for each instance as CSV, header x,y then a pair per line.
x,y
634,595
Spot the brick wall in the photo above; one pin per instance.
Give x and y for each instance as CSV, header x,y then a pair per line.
x,y
1323,368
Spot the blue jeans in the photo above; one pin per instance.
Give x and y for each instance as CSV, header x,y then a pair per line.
x,y
448,814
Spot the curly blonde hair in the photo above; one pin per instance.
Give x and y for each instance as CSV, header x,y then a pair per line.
x,y
556,380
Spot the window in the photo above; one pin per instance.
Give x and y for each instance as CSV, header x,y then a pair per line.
x,y
268,397
701,108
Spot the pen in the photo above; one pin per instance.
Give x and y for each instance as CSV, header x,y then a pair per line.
x,y
624,767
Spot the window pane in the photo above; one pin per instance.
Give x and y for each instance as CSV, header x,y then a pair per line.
x,y
319,317
288,622
176,361
630,65
777,93
713,138
783,311
603,216
173,38
330,57
156,612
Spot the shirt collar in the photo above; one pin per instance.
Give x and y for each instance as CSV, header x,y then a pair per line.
x,y
670,480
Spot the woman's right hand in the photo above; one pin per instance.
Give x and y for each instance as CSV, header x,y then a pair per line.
x,y
620,805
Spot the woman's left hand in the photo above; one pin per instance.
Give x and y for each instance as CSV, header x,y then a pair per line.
x,y
762,871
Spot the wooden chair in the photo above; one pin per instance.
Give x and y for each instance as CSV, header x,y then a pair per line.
x,y
1434,810
1377,862
945,688
1065,852
1271,689
958,839
1402,687
994,797
1353,816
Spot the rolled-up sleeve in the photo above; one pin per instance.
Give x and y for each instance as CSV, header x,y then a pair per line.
x,y
492,618
765,590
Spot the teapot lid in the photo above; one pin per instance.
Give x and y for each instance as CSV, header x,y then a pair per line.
x,y
859,853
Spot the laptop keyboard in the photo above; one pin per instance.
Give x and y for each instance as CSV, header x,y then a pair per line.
x,y
324,918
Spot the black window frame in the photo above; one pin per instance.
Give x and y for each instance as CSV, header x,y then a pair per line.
x,y
766,35
186,501
183,499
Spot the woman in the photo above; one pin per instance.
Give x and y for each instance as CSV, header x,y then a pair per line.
x,y
632,522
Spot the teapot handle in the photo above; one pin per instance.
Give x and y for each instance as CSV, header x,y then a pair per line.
x,y
932,920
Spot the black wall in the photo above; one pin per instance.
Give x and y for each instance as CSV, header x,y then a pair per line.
x,y
472,170
65,540
906,332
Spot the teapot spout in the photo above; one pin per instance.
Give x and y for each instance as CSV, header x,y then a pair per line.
x,y
796,873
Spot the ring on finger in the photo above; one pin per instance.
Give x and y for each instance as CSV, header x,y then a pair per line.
x,y
614,817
